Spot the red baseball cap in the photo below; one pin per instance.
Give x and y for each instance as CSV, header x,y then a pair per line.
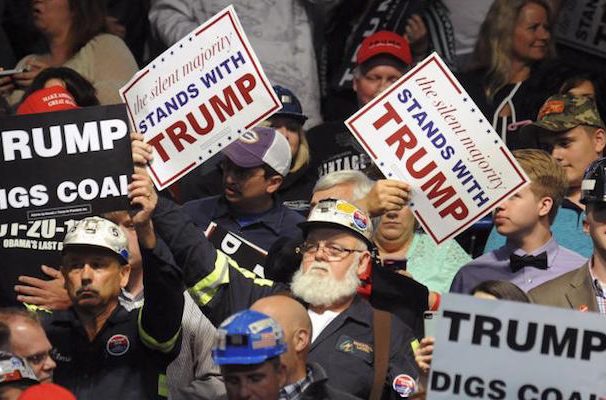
x,y
47,391
54,98
384,42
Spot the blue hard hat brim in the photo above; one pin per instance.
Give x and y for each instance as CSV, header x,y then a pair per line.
x,y
240,360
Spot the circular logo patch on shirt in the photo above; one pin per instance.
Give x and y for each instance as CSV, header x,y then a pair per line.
x,y
404,384
117,345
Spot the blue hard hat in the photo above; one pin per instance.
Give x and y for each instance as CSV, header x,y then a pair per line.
x,y
291,106
248,337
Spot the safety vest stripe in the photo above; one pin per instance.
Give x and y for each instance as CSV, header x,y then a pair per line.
x,y
152,343
204,291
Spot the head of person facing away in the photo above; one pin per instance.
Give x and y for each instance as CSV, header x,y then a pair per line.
x,y
248,347
28,340
593,195
95,265
526,216
382,59
500,290
254,167
570,128
335,252
295,322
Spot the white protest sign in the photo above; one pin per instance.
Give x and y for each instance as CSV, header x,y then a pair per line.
x,y
581,24
427,131
496,349
199,96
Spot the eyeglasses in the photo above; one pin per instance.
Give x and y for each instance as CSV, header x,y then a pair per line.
x,y
333,251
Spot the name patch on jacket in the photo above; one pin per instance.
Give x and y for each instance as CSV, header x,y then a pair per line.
x,y
346,344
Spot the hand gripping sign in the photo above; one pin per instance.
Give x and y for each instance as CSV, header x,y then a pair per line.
x,y
198,96
426,130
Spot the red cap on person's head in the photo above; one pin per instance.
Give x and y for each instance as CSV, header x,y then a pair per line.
x,y
46,391
384,43
54,98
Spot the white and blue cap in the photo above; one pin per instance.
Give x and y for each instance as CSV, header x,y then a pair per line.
x,y
98,232
258,146
248,337
339,214
14,369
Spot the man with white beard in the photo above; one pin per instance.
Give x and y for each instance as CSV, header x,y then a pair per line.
x,y
335,251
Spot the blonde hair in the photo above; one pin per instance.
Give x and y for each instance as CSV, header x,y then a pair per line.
x,y
302,158
547,177
495,42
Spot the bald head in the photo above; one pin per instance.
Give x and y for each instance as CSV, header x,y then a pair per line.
x,y
288,312
295,322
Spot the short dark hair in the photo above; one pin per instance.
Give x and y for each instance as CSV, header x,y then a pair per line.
x,y
78,86
503,290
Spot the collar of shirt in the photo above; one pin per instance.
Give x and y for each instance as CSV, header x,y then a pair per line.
x,y
69,317
598,289
130,301
272,218
295,390
550,248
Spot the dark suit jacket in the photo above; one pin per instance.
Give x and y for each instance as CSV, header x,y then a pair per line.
x,y
572,290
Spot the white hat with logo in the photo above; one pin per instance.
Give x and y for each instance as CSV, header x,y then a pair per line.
x,y
98,232
332,213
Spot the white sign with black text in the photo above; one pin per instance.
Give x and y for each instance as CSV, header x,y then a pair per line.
x,y
496,349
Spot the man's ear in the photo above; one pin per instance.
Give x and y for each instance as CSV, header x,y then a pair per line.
x,y
545,206
364,263
302,339
585,225
124,275
274,184
599,141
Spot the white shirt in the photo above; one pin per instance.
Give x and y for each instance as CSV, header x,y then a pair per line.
x,y
320,321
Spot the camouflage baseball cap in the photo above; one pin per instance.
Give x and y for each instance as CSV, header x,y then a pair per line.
x,y
563,112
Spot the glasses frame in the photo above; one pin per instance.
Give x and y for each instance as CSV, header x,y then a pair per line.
x,y
339,253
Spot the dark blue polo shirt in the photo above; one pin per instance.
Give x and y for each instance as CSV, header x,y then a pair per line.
x,y
262,230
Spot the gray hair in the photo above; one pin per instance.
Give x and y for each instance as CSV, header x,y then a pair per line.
x,y
361,183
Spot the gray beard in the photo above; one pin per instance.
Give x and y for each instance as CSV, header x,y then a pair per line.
x,y
325,290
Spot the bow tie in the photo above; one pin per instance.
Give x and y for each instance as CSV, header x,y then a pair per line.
x,y
518,262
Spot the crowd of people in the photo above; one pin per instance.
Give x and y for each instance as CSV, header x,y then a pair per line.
x,y
140,304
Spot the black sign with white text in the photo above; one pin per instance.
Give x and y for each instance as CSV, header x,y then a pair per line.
x,y
56,168
72,163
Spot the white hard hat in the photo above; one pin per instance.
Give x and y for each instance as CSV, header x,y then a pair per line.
x,y
13,369
331,213
98,232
